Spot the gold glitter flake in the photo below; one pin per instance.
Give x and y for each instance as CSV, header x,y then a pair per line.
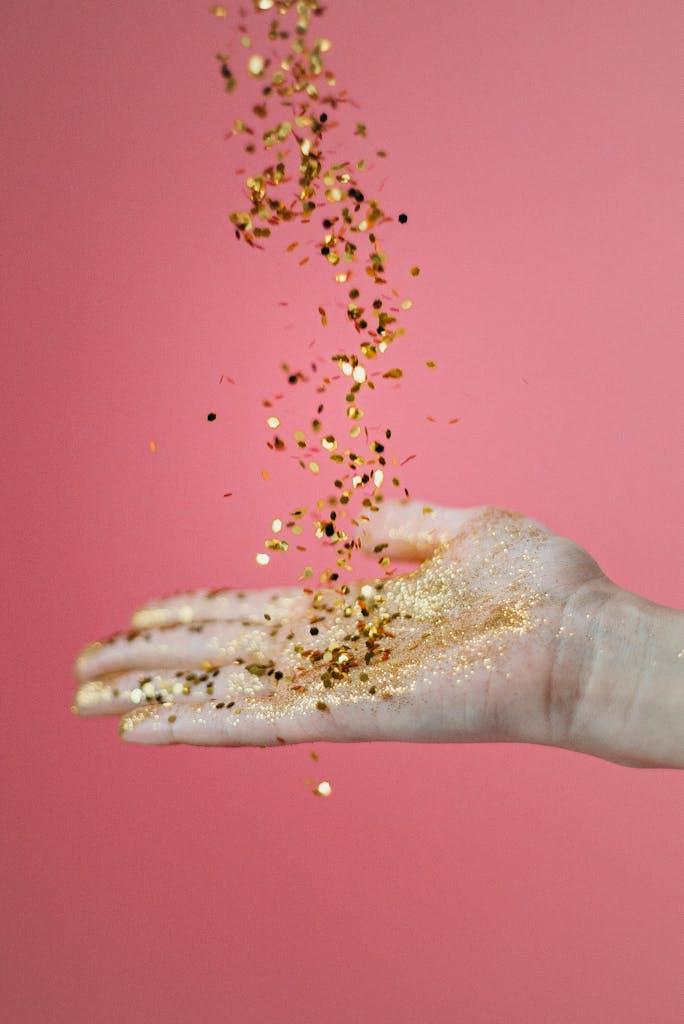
x,y
255,65
322,789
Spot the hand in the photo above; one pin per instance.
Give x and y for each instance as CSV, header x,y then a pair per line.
x,y
490,639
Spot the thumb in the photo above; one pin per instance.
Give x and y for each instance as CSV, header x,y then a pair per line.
x,y
413,530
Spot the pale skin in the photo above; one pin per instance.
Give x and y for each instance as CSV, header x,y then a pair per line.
x,y
505,632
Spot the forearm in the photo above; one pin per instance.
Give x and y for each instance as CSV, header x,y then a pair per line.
x,y
628,683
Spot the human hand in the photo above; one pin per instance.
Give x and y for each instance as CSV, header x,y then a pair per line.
x,y
490,639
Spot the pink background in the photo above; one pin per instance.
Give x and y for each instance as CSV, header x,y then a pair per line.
x,y
533,146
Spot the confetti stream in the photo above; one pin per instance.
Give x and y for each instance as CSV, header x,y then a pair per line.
x,y
290,125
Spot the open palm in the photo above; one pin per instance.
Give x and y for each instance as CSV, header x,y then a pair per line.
x,y
463,648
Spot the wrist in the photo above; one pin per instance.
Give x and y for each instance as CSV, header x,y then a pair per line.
x,y
623,661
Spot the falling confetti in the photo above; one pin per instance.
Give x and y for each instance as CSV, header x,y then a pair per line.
x,y
287,137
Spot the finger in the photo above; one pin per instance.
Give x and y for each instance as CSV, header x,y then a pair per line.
x,y
208,645
276,717
255,721
412,530
120,692
210,605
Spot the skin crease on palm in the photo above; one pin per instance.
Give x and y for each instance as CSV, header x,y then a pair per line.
x,y
467,647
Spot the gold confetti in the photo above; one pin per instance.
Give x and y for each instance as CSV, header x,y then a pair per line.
x,y
153,446
322,789
255,65
291,178
219,12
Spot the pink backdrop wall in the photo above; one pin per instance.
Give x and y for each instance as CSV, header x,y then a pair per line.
x,y
533,145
